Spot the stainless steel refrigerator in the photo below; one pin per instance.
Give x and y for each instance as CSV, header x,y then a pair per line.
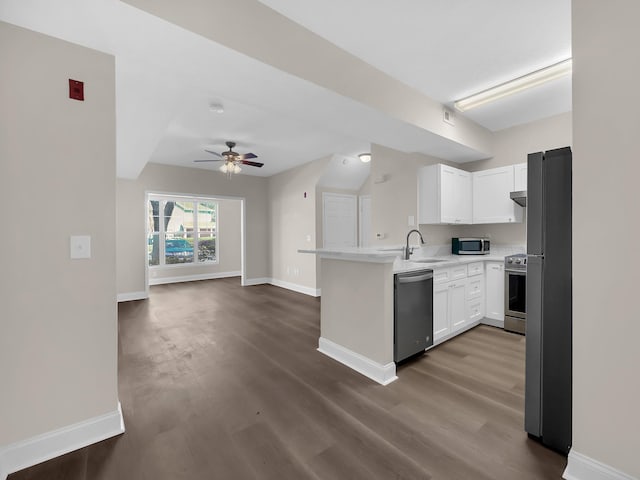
x,y
548,305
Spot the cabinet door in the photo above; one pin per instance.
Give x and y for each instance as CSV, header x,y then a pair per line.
x,y
464,200
456,195
495,291
440,311
491,200
520,177
448,195
444,195
458,305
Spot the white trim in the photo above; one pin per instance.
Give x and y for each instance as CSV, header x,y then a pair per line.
x,y
581,467
193,278
243,226
383,374
129,296
314,292
40,448
492,322
248,282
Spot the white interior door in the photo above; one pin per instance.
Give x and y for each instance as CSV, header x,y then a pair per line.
x,y
365,220
339,220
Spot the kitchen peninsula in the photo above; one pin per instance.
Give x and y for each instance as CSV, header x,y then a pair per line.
x,y
356,319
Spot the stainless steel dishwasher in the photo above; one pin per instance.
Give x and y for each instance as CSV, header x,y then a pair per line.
x,y
412,313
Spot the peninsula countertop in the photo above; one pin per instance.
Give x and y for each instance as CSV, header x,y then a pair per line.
x,y
418,260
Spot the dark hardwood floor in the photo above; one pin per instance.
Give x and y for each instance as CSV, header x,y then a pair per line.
x,y
218,381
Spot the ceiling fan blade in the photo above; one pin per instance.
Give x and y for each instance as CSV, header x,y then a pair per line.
x,y
251,164
209,160
213,153
247,156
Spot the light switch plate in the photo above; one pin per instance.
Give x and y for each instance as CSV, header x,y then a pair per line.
x,y
411,221
80,246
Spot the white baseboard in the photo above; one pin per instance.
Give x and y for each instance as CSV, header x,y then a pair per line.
x,y
248,282
581,467
383,374
492,322
129,296
49,445
314,292
192,278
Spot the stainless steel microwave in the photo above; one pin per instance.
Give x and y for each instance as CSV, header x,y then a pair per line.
x,y
470,246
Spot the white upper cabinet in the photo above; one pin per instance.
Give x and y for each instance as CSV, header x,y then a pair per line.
x,y
491,200
444,195
520,177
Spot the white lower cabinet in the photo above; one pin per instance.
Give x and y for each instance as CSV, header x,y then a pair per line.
x,y
458,298
449,308
458,301
495,291
441,325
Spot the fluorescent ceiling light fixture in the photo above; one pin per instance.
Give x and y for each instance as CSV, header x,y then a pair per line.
x,y
365,157
530,80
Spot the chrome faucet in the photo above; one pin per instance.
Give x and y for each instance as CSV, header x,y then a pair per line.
x,y
408,251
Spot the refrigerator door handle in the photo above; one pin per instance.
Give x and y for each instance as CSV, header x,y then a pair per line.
x,y
535,256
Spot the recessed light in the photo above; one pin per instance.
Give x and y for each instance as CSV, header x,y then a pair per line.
x,y
365,157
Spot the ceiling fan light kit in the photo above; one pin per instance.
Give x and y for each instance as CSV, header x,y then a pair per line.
x,y
216,107
517,85
232,160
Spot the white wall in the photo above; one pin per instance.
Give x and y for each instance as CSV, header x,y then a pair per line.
x,y
606,221
511,146
58,333
131,216
292,219
395,199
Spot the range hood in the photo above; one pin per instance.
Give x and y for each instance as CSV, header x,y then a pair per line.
x,y
519,197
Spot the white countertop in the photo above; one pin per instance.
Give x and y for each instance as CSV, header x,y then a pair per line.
x,y
393,254
358,254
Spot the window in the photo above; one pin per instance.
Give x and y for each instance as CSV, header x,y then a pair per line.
x,y
181,230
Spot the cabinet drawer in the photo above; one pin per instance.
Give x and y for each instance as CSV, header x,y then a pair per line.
x,y
475,268
475,288
475,310
442,275
458,272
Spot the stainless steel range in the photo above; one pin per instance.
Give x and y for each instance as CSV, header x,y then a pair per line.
x,y
515,289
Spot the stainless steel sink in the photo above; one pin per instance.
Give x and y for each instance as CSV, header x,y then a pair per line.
x,y
428,260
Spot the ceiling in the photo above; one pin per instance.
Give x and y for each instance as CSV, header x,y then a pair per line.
x,y
449,50
167,76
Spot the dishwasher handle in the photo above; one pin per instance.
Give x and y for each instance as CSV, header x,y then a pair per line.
x,y
414,278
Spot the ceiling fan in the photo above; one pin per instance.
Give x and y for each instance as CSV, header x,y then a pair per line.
x,y
232,160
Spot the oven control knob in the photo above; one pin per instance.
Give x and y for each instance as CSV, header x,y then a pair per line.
x,y
517,262
509,261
